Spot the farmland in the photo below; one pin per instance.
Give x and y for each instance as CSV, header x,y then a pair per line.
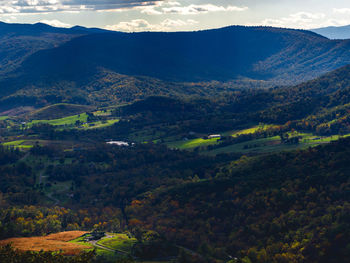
x,y
258,145
53,242
66,121
21,144
119,242
111,246
187,144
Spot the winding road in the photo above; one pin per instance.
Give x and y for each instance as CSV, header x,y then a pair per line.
x,y
95,244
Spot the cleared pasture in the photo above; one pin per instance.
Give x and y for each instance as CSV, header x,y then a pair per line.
x,y
66,121
121,242
54,242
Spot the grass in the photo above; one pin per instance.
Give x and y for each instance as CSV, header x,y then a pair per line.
x,y
119,242
75,121
188,144
66,121
100,252
262,145
53,242
273,144
106,112
57,111
21,144
245,147
109,255
81,240
261,127
99,124
2,118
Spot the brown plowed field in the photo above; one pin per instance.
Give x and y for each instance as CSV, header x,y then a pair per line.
x,y
53,242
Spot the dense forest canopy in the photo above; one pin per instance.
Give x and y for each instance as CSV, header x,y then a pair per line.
x,y
180,157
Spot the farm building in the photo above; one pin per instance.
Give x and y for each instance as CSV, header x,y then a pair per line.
x,y
214,136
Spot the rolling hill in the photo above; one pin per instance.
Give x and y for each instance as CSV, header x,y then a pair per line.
x,y
334,32
220,54
272,188
89,66
18,41
94,62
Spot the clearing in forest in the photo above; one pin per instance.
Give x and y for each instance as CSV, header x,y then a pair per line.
x,y
52,242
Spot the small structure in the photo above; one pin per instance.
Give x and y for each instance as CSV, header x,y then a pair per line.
x,y
212,136
95,235
118,143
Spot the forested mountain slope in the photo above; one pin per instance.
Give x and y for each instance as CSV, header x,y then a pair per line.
x,y
18,41
98,63
220,54
287,207
334,32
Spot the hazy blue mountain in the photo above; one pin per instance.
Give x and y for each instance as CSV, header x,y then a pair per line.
x,y
18,41
222,54
40,28
74,62
333,32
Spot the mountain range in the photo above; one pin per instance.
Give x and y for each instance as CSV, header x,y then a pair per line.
x,y
334,32
226,145
38,59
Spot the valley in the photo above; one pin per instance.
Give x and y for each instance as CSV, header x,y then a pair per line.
x,y
116,155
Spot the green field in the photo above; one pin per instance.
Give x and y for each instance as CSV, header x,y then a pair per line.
x,y
99,124
106,112
188,144
261,145
121,242
193,143
251,130
21,144
273,144
2,118
66,121
109,255
57,111
75,121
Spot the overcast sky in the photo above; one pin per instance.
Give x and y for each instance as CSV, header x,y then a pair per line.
x,y
177,15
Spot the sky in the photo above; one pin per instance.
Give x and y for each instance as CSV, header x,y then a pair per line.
x,y
177,15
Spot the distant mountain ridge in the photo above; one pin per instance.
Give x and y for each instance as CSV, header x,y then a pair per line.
x,y
334,32
75,60
18,41
39,28
220,54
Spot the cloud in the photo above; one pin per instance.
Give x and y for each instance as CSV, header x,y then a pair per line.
x,y
55,23
344,11
298,20
200,9
173,7
47,6
140,25
148,7
169,23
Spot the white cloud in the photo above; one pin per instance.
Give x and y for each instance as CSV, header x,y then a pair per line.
x,y
149,10
8,10
198,9
344,11
139,25
132,26
298,20
40,6
55,23
169,23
